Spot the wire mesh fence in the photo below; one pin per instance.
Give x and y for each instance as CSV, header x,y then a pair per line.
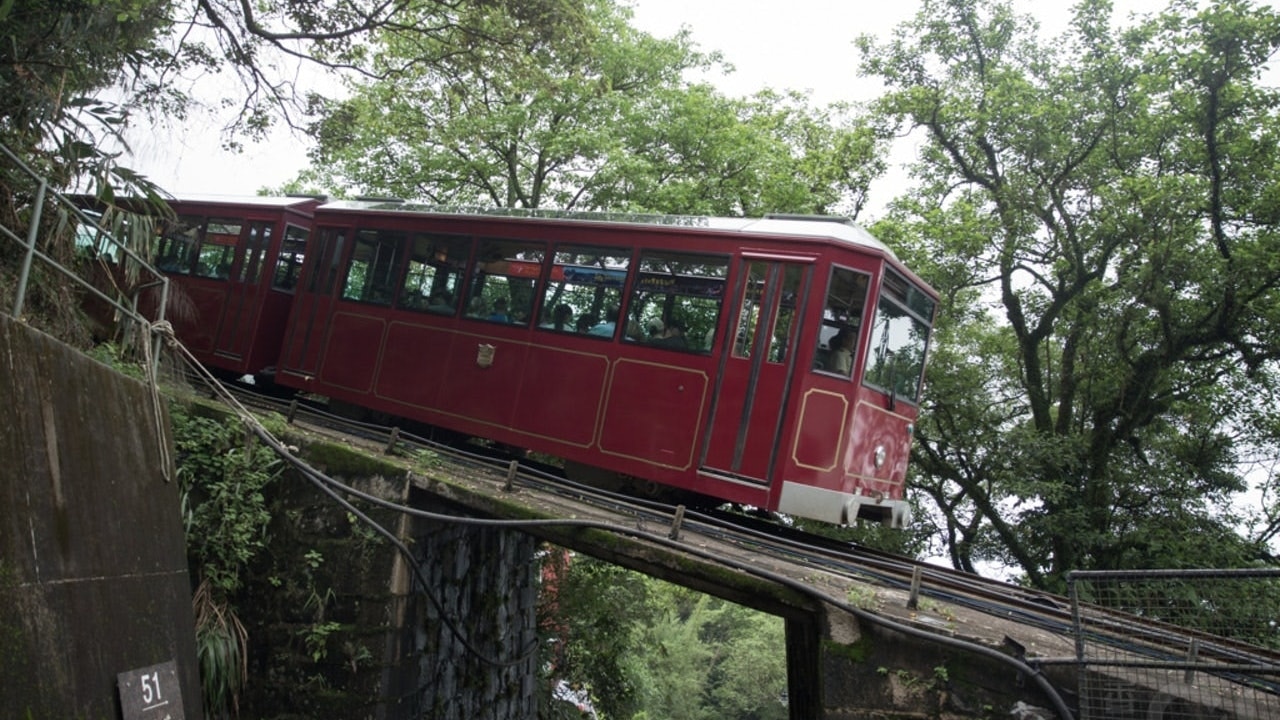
x,y
1177,644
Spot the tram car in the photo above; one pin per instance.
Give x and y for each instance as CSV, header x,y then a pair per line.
x,y
233,265
773,362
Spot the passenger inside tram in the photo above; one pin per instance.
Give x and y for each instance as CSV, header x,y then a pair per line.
x,y
673,335
561,318
841,351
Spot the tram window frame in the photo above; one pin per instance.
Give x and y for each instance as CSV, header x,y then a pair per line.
x,y
324,276
841,310
372,273
435,270
215,252
901,304
178,244
687,288
782,336
588,280
254,258
518,265
289,262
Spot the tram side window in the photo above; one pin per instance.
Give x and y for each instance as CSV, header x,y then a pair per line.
x,y
677,300
899,338
505,280
217,248
329,255
434,277
292,252
584,290
178,245
841,320
373,272
755,305
254,249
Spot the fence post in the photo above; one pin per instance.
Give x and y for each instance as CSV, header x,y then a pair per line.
x,y
32,233
1193,656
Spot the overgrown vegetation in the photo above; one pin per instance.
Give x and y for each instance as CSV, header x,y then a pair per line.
x,y
644,648
1099,212
222,473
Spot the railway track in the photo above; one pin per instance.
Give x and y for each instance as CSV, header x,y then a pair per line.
x,y
772,542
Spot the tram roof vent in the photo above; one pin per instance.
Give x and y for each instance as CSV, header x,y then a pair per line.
x,y
838,219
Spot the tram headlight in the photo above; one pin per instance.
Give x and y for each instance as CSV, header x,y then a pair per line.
x,y
879,456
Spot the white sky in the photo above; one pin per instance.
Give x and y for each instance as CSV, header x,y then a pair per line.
x,y
783,44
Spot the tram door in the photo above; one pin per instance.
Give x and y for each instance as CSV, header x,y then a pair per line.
x,y
313,301
244,290
759,355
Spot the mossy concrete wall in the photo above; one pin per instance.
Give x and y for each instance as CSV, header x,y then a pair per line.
x,y
872,672
341,625
93,572
329,613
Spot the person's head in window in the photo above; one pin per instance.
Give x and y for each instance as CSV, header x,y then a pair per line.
x,y
606,327
654,328
560,317
500,313
673,335
841,346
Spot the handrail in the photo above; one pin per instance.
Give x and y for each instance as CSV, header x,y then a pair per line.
x,y
32,253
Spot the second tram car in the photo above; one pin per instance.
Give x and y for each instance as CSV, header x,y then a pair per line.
x,y
775,362
234,263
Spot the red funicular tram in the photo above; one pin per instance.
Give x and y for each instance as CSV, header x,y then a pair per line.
x,y
774,362
234,264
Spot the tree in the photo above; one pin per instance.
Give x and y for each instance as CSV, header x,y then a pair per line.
x,y
599,120
690,150
592,614
54,58
507,129
703,657
1090,210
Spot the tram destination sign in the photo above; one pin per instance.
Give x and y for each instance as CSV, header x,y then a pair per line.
x,y
151,693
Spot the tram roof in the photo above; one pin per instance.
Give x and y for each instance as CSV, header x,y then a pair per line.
x,y
815,226
266,201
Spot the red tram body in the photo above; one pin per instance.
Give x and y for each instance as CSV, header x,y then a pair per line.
x,y
773,362
234,264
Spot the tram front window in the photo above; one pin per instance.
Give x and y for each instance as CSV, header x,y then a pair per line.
x,y
899,339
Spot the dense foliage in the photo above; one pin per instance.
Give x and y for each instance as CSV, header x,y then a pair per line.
x,y
602,118
643,648
1099,212
222,471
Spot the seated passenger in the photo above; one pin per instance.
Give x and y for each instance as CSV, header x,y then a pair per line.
x,y
441,302
560,317
673,336
608,326
585,323
841,346
499,313
653,329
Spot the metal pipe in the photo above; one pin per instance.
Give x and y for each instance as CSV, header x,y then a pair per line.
x,y
32,233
